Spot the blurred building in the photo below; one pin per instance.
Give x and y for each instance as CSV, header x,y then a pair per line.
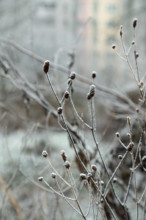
x,y
102,29
52,28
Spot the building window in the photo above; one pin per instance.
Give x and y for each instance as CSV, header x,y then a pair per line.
x,y
112,8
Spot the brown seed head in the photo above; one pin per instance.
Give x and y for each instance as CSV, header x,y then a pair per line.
x,y
120,157
94,167
67,164
117,134
93,74
44,153
121,30
114,180
113,46
59,110
53,175
130,146
91,92
83,176
135,22
46,66
63,155
137,55
40,178
66,94
73,75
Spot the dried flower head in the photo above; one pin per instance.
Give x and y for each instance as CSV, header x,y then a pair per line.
x,y
137,55
120,157
46,66
83,176
114,180
91,92
94,74
66,95
53,175
73,75
59,110
135,22
40,178
67,164
94,167
117,134
44,153
63,154
121,31
130,147
113,46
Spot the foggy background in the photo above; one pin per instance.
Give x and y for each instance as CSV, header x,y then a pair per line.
x,y
77,35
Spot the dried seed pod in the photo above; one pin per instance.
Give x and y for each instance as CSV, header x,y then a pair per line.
x,y
66,94
44,153
137,55
46,66
120,157
73,75
67,164
53,175
59,110
130,147
94,167
63,154
135,22
117,134
83,176
113,46
91,92
114,180
121,30
40,178
93,74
